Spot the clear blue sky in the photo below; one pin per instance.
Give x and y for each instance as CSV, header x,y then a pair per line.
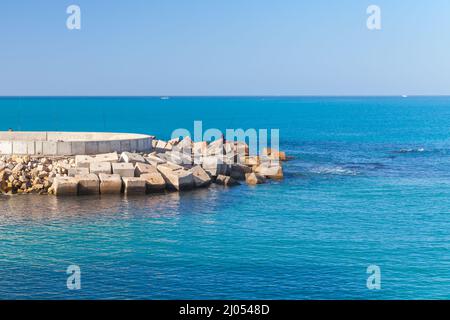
x,y
224,47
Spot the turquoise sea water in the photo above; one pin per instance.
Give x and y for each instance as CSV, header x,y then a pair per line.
x,y
370,184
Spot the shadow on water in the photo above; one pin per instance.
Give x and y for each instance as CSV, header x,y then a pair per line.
x,y
26,208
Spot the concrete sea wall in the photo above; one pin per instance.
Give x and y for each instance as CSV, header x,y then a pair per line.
x,y
71,143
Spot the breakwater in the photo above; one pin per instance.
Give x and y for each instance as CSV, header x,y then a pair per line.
x,y
178,164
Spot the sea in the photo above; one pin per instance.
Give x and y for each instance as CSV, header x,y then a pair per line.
x,y
367,188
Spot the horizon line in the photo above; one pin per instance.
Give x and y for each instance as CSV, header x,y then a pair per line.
x,y
228,96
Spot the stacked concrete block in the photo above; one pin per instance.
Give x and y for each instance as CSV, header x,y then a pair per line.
x,y
110,183
141,168
88,184
65,186
133,158
254,178
201,177
123,169
226,181
154,182
72,172
154,160
100,167
134,185
176,178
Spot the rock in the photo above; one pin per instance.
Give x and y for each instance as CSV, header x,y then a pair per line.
x,y
160,146
123,169
201,177
100,167
133,158
141,168
251,160
154,143
134,185
216,148
254,178
274,154
110,183
270,171
154,160
226,181
185,145
229,148
18,167
238,171
214,165
72,172
174,141
65,186
278,155
199,150
184,159
107,157
88,184
154,181
178,179
242,148
45,161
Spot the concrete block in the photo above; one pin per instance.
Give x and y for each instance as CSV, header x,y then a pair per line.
x,y
72,172
104,146
31,148
252,160
78,147
83,161
154,182
134,185
141,147
178,179
110,183
125,145
154,160
199,150
65,186
100,167
201,177
133,158
107,157
123,169
91,147
160,146
115,146
238,171
64,148
254,178
133,145
6,147
39,147
242,148
214,165
49,148
88,184
141,168
226,181
19,147
270,171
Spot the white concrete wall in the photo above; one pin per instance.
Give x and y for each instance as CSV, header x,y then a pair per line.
x,y
71,143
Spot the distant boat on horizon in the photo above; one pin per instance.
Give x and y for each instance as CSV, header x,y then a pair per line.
x,y
165,98
404,96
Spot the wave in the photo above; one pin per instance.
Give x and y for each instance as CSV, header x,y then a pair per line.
x,y
337,170
414,150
